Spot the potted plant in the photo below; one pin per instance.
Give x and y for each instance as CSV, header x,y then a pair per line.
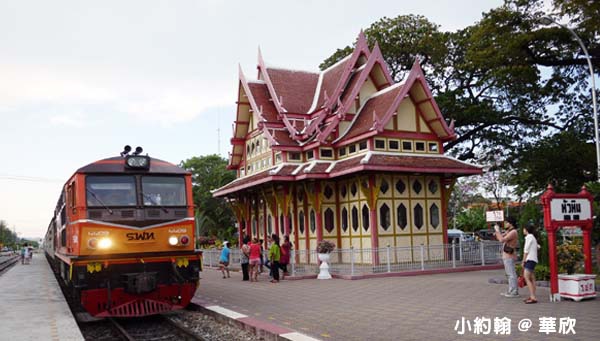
x,y
572,285
324,248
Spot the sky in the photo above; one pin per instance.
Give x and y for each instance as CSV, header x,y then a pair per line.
x,y
81,79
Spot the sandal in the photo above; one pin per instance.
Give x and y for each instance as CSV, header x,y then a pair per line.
x,y
530,301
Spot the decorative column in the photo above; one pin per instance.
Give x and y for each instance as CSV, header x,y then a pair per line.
x,y
373,194
248,212
447,188
286,209
317,206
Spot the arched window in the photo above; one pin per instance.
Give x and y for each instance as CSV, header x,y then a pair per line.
x,y
365,217
384,216
355,218
313,221
344,219
434,215
400,186
417,187
329,221
301,222
401,216
418,211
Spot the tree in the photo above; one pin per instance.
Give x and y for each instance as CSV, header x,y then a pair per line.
x,y
471,219
214,216
564,160
7,236
506,81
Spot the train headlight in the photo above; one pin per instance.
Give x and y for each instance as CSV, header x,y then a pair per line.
x,y
173,240
137,161
104,243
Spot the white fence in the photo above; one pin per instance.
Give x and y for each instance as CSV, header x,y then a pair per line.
x,y
389,259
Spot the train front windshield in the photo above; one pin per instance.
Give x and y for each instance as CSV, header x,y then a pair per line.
x,y
163,191
106,190
120,190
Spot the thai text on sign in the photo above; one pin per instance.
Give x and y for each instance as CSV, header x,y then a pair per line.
x,y
570,209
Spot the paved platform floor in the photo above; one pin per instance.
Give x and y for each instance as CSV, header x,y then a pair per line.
x,y
32,306
429,307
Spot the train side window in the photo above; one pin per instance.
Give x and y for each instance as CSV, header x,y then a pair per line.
x,y
63,237
63,217
72,195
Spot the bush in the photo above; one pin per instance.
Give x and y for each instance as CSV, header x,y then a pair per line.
x,y
568,256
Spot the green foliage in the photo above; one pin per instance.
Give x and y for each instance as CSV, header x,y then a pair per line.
x,y
214,216
7,236
569,256
471,219
564,160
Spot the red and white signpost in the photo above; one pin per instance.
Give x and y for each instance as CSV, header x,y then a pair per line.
x,y
562,210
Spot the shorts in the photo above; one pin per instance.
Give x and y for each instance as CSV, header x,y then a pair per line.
x,y
255,261
530,265
224,263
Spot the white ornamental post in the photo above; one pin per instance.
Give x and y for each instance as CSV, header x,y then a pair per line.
x,y
324,267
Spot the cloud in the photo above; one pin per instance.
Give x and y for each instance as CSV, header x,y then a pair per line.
x,y
173,106
149,97
69,121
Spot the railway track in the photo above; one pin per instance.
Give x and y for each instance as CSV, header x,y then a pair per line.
x,y
6,262
153,328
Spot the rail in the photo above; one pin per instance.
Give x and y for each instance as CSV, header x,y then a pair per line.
x,y
156,327
363,261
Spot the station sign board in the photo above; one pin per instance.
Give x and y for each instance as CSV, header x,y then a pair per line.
x,y
491,216
565,209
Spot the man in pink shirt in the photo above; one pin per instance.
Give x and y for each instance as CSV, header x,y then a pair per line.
x,y
510,239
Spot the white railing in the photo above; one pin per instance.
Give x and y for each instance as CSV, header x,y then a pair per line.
x,y
389,259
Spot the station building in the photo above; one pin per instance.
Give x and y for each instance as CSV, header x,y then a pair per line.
x,y
345,154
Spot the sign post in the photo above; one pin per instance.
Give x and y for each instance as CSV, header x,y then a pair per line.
x,y
561,210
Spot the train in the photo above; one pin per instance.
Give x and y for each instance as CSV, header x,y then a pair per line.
x,y
122,237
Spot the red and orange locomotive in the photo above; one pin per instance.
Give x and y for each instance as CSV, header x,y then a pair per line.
x,y
122,236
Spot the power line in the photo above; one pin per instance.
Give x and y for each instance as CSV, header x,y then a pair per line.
x,y
29,178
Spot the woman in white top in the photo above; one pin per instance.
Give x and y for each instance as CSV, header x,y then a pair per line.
x,y
530,260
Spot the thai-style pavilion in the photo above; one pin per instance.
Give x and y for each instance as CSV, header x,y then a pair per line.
x,y
345,154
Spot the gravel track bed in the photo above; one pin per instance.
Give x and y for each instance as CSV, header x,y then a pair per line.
x,y
210,329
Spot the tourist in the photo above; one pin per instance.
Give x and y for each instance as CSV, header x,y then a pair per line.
x,y
262,258
255,253
510,239
274,257
25,254
286,249
224,260
530,260
245,258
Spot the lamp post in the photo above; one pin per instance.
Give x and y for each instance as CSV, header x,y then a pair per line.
x,y
546,20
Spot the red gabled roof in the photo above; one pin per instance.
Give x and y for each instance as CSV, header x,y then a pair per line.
x,y
374,109
329,80
260,93
294,109
294,89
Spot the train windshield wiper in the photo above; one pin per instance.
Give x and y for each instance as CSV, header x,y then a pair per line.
x,y
151,199
98,200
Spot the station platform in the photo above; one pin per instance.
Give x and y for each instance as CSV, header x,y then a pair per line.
x,y
426,307
33,306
